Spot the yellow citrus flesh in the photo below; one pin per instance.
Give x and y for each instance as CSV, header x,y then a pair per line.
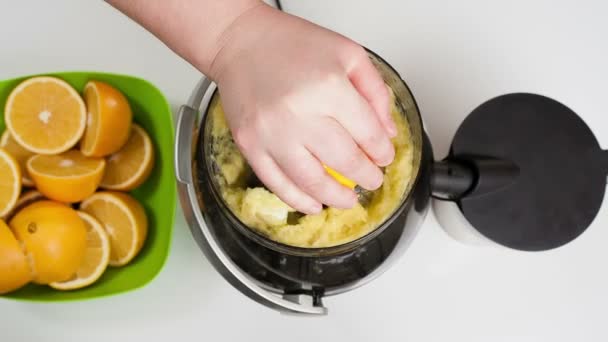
x,y
14,268
20,154
131,166
95,260
55,238
45,115
108,120
10,182
68,177
26,198
125,221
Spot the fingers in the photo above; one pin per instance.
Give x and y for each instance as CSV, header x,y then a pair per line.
x,y
332,144
309,175
359,119
367,80
278,183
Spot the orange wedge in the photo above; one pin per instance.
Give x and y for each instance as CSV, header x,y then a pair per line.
x,y
95,260
20,154
10,182
108,120
14,267
125,221
131,166
68,177
45,115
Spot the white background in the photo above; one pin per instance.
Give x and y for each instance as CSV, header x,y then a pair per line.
x,y
454,55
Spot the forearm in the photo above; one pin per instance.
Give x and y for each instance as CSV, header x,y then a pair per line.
x,y
178,22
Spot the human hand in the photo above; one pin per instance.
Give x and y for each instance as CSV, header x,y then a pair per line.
x,y
297,97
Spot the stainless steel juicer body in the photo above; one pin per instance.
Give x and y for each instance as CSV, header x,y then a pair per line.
x,y
292,279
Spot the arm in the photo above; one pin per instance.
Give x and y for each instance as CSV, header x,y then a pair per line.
x,y
296,95
192,28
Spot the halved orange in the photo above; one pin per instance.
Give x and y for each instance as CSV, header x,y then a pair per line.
x,y
26,198
20,154
125,221
95,260
131,166
10,182
45,115
15,271
68,177
108,120
54,237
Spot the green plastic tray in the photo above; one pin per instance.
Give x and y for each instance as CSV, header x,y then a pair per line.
x,y
158,194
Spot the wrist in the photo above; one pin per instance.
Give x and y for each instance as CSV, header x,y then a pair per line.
x,y
202,53
240,35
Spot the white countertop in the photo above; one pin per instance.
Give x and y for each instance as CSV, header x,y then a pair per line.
x,y
454,55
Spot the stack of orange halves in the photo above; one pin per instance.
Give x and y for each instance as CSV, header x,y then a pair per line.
x,y
58,150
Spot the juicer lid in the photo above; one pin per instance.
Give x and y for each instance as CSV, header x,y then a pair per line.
x,y
539,172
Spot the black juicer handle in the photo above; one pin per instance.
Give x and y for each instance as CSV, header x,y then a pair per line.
x,y
525,171
457,177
